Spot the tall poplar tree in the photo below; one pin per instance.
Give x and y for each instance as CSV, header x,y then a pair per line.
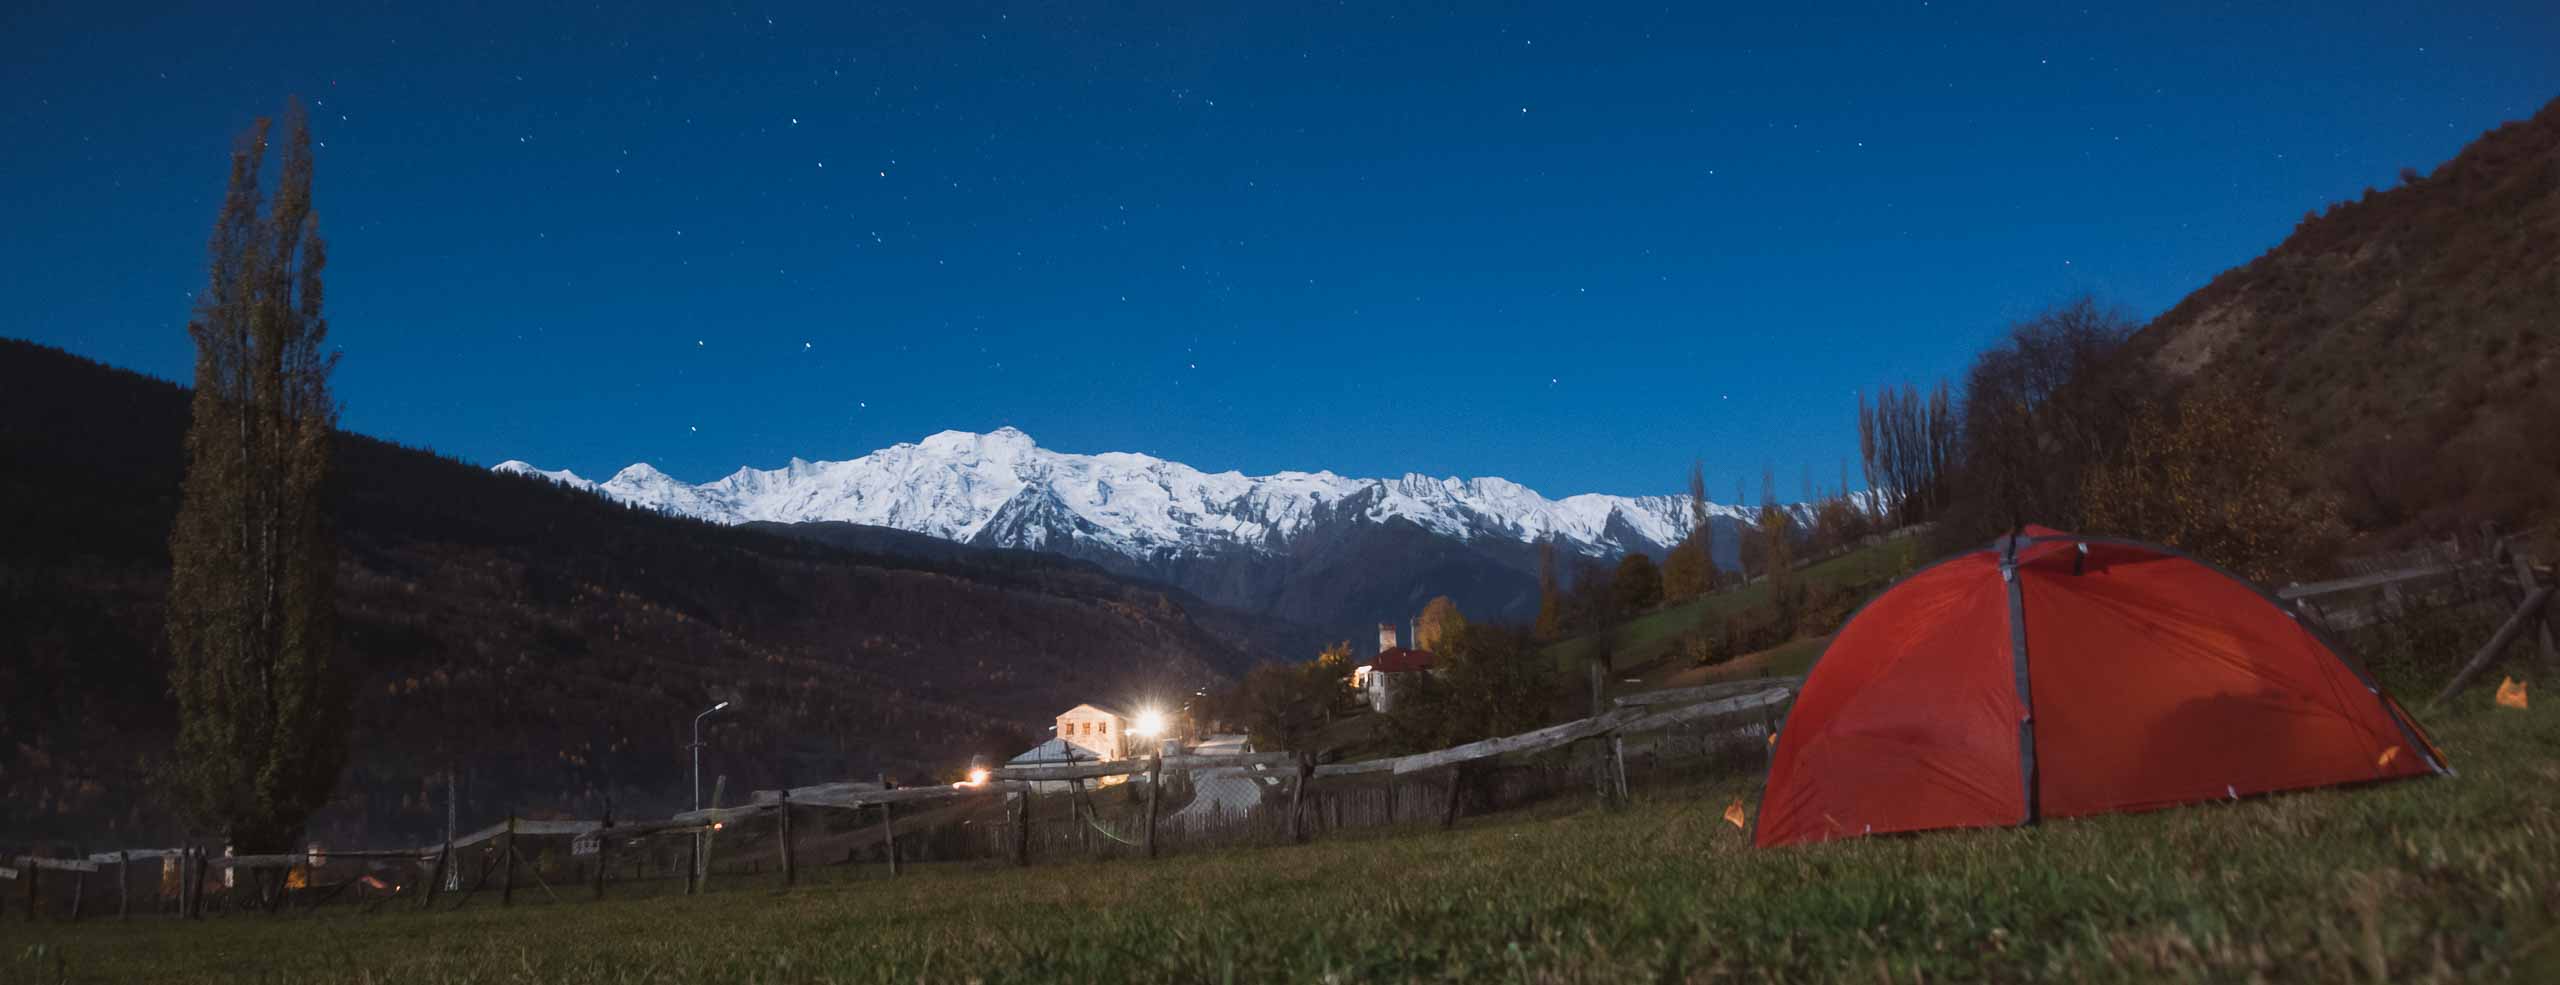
x,y
1702,529
1550,623
262,708
1689,570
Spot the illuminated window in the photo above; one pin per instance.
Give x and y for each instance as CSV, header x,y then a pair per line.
x,y
1106,728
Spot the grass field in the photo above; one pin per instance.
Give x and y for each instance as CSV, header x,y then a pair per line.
x,y
2437,880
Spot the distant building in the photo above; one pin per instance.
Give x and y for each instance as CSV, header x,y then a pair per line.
x,y
1099,729
1055,752
1394,667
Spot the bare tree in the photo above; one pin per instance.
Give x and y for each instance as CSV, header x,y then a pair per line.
x,y
2044,407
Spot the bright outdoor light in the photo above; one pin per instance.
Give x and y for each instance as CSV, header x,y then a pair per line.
x,y
977,777
719,706
1150,723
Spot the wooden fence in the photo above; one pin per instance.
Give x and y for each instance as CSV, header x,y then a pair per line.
x,y
2501,572
1350,791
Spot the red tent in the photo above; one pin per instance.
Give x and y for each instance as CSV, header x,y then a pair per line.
x,y
2052,675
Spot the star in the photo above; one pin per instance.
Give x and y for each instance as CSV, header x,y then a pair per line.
x,y
804,345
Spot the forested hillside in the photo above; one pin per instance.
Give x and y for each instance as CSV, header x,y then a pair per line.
x,y
548,646
2407,341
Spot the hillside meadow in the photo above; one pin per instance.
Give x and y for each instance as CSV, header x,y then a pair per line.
x,y
2438,880
1649,644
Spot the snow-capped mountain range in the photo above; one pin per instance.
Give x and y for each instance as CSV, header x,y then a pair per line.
x,y
1313,546
1001,489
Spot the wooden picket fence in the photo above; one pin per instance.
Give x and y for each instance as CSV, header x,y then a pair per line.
x,y
186,871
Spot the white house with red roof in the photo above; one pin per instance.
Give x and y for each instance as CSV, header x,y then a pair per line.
x,y
1395,666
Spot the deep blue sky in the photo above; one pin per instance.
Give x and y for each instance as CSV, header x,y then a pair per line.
x,y
1569,244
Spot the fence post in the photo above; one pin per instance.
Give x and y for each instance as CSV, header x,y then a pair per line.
x,y
1022,826
435,876
1618,769
1155,777
1449,815
702,837
1297,799
195,897
790,876
889,828
124,885
693,863
1075,816
79,888
604,853
29,873
2526,583
185,862
507,857
2532,606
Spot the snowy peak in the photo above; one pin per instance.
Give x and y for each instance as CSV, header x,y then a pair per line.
x,y
1002,489
561,476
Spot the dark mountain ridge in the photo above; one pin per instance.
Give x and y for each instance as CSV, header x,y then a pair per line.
x,y
547,645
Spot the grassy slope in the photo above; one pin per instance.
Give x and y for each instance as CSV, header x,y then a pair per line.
x,y
1654,635
2437,880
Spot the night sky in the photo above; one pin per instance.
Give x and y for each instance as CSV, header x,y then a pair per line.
x,y
1573,245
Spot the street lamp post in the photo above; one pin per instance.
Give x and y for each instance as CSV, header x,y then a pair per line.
x,y
697,752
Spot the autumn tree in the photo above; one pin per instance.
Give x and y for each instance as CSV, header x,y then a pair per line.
x,y
1283,705
1440,620
1638,583
1279,704
1593,603
1689,569
1777,536
1777,553
262,706
1494,681
1751,550
2209,475
1684,571
1551,616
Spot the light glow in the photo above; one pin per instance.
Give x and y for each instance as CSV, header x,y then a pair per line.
x,y
1150,723
977,778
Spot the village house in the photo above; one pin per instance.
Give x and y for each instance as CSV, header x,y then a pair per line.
x,y
1089,733
1395,666
1099,729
